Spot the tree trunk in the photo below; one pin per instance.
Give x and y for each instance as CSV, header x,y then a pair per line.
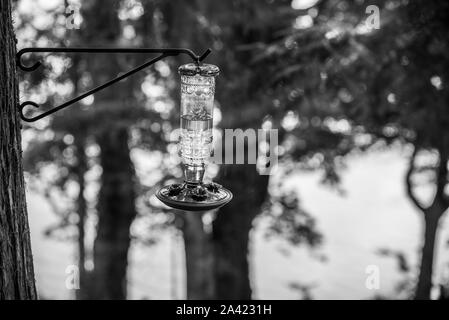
x,y
231,230
198,249
424,286
444,292
116,212
82,213
16,261
116,202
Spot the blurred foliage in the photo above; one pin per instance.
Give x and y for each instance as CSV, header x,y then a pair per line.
x,y
404,288
385,84
287,219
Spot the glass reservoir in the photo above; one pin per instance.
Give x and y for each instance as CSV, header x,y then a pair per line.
x,y
196,142
197,106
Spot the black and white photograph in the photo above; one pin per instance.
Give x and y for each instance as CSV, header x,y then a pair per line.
x,y
233,152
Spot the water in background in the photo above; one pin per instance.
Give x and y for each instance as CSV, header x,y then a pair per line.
x,y
374,214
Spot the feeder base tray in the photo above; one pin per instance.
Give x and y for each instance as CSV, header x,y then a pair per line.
x,y
194,197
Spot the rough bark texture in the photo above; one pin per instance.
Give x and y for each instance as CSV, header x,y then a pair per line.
x,y
231,230
116,211
16,261
199,258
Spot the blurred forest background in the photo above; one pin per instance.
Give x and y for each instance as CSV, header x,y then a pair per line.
x,y
362,115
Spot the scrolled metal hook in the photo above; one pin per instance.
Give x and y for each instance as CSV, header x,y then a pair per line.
x,y
34,105
19,63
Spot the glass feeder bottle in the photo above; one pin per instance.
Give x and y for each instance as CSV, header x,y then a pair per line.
x,y
197,105
196,142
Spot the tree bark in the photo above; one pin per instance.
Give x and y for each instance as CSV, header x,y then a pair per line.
x,y
16,261
198,250
116,212
231,230
424,286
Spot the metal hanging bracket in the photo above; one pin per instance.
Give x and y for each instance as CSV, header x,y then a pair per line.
x,y
163,54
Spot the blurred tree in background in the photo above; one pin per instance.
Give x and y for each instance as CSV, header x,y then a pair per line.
x,y
104,131
116,197
389,85
245,95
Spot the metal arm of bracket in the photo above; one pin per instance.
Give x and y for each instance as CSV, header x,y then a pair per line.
x,y
163,54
